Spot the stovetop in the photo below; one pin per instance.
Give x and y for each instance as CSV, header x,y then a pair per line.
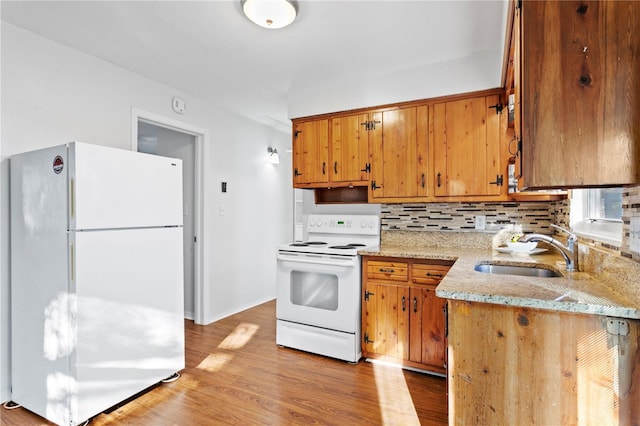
x,y
338,235
316,247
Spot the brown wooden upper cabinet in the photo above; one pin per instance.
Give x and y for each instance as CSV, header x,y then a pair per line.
x,y
399,152
580,92
331,152
310,153
452,148
350,149
466,142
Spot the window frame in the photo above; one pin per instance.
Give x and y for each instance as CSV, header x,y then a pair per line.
x,y
586,224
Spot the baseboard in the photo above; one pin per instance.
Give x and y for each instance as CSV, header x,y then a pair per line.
x,y
222,315
5,395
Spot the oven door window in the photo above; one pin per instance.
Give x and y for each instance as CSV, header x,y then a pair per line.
x,y
314,289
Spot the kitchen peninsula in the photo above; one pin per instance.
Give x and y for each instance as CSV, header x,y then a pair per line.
x,y
530,349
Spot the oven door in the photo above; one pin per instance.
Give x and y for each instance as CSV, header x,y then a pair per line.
x,y
319,290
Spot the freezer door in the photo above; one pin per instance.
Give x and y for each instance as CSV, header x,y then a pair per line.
x,y
113,188
130,314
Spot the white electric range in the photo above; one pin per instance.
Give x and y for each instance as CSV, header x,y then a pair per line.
x,y
319,284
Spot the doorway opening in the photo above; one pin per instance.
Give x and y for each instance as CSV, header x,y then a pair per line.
x,y
158,135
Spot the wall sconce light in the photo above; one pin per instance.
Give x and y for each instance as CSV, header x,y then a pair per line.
x,y
270,14
274,157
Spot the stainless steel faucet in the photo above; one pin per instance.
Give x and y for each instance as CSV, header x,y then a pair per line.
x,y
569,252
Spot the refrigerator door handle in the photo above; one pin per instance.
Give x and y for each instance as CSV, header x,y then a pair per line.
x,y
72,266
72,198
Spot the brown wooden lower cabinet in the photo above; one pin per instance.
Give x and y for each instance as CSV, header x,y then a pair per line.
x,y
512,365
402,319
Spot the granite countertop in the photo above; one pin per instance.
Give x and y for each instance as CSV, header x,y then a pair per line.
x,y
579,292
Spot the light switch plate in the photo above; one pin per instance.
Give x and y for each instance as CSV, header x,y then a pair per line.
x,y
481,222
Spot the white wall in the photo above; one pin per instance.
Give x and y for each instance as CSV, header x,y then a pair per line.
x,y
479,72
52,94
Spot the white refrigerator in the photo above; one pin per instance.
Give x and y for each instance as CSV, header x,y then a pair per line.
x,y
97,310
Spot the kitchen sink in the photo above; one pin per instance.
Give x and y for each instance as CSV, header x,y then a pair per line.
x,y
528,271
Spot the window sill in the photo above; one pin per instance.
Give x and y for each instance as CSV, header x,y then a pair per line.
x,y
605,231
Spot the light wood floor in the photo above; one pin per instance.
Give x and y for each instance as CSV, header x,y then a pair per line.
x,y
236,374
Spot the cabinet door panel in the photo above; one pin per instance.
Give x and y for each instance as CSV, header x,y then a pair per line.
x,y
415,333
579,93
349,148
311,152
467,147
399,151
433,324
399,147
387,320
404,322
369,318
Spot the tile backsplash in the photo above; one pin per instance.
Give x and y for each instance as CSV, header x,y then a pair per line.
x,y
630,209
460,217
533,216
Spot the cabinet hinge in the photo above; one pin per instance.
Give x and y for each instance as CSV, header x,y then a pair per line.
x,y
499,181
367,294
366,338
296,133
367,168
617,327
374,186
370,124
498,107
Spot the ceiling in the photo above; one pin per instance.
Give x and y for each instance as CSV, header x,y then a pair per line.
x,y
211,51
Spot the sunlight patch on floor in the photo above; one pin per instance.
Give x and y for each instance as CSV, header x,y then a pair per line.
x,y
215,362
239,337
396,405
598,381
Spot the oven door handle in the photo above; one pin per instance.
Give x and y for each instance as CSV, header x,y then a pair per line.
x,y
332,261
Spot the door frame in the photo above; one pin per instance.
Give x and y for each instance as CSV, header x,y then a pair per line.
x,y
201,140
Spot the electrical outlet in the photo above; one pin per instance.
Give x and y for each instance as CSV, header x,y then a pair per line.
x,y
481,222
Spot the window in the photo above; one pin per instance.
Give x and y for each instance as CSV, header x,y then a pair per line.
x,y
596,213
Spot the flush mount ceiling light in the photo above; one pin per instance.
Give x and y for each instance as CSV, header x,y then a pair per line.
x,y
270,14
